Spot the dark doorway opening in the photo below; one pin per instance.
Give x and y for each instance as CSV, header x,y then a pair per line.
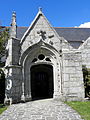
x,y
41,81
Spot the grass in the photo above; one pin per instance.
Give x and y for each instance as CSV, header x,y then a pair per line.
x,y
2,108
83,108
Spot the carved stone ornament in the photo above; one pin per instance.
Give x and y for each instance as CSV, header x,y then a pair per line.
x,y
42,34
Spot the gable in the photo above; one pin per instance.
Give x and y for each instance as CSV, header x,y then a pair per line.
x,y
85,48
85,45
31,36
51,37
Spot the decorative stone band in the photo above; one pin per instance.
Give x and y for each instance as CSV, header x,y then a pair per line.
x,y
13,66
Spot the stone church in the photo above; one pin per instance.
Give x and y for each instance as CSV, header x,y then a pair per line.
x,y
45,62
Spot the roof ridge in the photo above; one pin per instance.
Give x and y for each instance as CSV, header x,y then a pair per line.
x,y
64,27
71,27
22,26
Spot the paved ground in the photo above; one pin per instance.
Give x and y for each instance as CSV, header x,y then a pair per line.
x,y
40,110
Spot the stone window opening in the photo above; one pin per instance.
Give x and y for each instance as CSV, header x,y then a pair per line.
x,y
48,59
41,57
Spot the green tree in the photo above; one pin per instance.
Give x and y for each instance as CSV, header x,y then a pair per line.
x,y
3,40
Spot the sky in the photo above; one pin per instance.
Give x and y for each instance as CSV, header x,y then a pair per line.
x,y
60,13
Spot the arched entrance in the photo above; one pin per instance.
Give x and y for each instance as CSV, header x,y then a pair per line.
x,y
41,81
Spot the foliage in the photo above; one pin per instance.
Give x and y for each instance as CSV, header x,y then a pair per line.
x,y
2,108
86,76
83,108
3,38
2,86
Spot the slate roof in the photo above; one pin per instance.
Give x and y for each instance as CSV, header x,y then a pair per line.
x,y
21,31
75,36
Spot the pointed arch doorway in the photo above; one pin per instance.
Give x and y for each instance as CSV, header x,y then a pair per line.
x,y
41,81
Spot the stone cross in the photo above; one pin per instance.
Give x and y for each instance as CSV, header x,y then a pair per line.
x,y
42,34
40,9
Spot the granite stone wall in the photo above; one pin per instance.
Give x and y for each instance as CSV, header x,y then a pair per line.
x,y
85,50
73,86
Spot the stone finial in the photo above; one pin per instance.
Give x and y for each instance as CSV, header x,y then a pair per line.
x,y
13,22
14,14
40,9
13,25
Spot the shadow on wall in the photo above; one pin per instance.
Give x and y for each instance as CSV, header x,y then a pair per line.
x,y
2,86
86,78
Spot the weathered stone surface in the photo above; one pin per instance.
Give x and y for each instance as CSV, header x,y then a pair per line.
x,y
85,49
